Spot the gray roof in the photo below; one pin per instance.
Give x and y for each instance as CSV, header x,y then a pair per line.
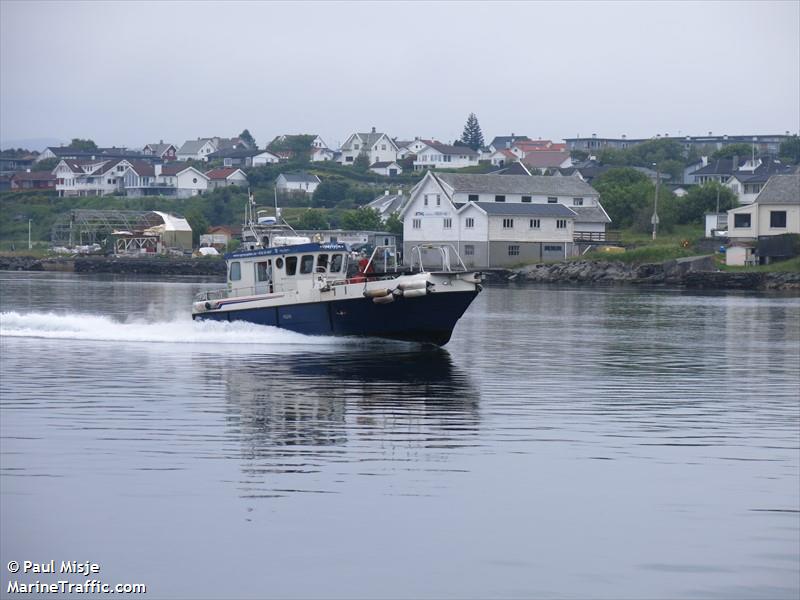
x,y
381,165
369,139
387,204
192,146
160,148
517,184
526,209
448,149
781,189
505,141
301,177
590,214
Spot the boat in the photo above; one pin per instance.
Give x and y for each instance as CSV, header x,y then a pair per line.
x,y
281,279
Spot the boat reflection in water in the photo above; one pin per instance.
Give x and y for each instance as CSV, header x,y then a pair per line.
x,y
297,413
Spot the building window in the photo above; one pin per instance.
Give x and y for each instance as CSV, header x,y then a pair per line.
x,y
469,223
777,219
425,199
499,198
355,146
535,223
416,223
741,221
469,250
513,250
438,200
473,197
508,223
577,202
383,146
348,159
236,271
552,200
448,223
526,198
554,248
561,223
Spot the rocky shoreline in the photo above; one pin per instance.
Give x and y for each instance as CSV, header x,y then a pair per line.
x,y
694,272
207,266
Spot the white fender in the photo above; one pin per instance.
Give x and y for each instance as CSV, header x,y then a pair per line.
x,y
379,293
417,284
383,299
416,293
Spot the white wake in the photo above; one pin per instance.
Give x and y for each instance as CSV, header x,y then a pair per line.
x,y
179,331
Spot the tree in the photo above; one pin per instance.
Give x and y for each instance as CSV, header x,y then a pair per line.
x,y
48,164
393,224
83,145
578,155
313,218
329,193
245,136
703,199
790,150
732,150
361,162
472,136
628,198
362,219
198,223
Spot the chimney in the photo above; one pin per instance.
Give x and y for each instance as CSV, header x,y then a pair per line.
x,y
373,130
161,142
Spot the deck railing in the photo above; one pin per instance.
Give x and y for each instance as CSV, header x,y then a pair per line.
x,y
597,236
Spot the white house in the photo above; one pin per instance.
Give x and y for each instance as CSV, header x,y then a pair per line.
x,y
198,149
187,181
89,177
443,156
489,228
378,147
412,147
776,211
225,177
322,155
388,169
297,182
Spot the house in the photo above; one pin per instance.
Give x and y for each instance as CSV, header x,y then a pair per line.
x,y
378,147
67,152
244,157
187,181
389,169
718,170
504,142
165,152
89,177
748,180
541,161
225,177
218,237
594,144
502,220
515,168
198,149
12,164
316,143
297,182
444,156
522,148
387,203
33,180
758,231
502,157
323,155
406,148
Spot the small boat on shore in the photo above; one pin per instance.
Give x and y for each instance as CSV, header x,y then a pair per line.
x,y
315,288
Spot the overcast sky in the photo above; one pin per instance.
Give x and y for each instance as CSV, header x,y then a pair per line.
x,y
129,73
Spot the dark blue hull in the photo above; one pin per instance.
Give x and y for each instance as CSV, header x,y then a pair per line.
x,y
427,319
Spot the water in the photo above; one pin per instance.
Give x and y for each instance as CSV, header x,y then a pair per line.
x,y
568,443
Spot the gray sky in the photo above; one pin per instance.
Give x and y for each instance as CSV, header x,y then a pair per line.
x,y
128,73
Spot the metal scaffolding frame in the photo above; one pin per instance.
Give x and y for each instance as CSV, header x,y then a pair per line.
x,y
85,227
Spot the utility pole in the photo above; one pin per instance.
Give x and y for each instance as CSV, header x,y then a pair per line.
x,y
654,219
29,234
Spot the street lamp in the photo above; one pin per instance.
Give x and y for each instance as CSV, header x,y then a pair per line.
x,y
654,219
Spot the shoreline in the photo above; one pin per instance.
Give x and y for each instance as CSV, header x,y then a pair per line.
x,y
697,272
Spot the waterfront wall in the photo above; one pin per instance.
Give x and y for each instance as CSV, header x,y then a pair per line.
x,y
108,264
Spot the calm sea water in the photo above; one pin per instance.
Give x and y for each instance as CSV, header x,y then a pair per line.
x,y
568,442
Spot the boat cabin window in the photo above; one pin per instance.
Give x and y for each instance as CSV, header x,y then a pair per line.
x,y
235,271
307,264
263,271
322,263
291,265
336,263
